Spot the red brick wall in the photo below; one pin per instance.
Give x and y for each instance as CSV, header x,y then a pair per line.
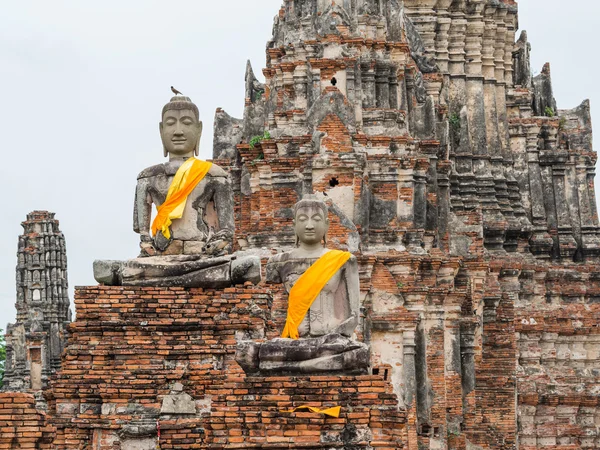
x,y
21,425
130,345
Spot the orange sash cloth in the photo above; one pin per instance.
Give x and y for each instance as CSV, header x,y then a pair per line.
x,y
186,179
309,286
333,412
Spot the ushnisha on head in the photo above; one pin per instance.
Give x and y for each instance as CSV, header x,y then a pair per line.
x,y
180,128
311,221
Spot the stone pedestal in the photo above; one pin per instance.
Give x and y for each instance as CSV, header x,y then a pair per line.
x,y
258,416
150,368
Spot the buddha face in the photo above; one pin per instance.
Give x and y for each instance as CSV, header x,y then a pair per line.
x,y
311,225
180,132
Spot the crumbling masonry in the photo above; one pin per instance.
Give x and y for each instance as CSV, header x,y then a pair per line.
x,y
35,342
469,201
468,194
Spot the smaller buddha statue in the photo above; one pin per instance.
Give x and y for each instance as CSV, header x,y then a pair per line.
x,y
323,304
189,242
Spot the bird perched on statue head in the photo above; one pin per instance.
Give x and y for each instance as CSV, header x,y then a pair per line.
x,y
175,91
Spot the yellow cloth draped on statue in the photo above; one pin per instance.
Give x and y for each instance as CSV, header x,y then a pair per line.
x,y
333,411
309,286
186,179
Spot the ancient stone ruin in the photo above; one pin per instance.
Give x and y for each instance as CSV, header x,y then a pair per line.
x,y
34,343
412,138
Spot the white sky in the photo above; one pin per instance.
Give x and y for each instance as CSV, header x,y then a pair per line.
x,y
83,84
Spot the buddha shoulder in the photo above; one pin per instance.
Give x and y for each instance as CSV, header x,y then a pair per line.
x,y
274,264
279,258
217,171
170,169
153,171
291,256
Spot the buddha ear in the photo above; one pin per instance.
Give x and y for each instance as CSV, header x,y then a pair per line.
x,y
160,128
295,234
197,149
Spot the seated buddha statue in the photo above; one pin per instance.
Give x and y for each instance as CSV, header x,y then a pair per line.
x,y
189,242
323,304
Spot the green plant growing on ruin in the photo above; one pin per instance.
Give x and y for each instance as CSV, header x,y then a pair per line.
x,y
255,141
258,95
2,357
549,112
454,121
561,124
258,139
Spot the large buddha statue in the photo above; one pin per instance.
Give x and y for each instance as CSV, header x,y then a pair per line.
x,y
206,215
323,304
190,240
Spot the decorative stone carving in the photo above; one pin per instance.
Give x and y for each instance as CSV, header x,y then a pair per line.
x,y
427,64
325,343
195,252
522,61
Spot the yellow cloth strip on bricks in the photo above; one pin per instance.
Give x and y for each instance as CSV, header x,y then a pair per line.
x,y
309,286
333,412
186,179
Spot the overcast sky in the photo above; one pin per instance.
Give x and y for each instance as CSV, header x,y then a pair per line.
x,y
83,84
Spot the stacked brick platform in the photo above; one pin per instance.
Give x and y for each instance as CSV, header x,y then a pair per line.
x,y
130,346
21,425
255,412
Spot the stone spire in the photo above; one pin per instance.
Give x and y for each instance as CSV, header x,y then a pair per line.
x,y
421,121
35,342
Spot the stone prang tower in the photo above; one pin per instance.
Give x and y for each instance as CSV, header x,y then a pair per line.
x,y
421,122
35,342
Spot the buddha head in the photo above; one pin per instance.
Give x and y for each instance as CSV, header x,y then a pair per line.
x,y
180,128
311,221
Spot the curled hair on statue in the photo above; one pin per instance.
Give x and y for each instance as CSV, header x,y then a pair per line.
x,y
178,103
312,200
